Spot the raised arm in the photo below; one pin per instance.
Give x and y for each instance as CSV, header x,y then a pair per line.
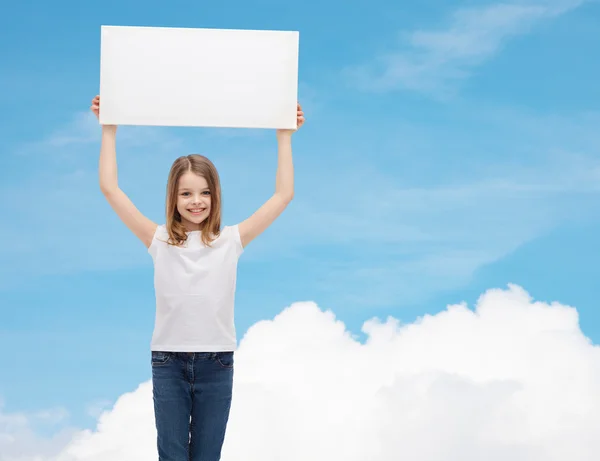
x,y
141,226
284,188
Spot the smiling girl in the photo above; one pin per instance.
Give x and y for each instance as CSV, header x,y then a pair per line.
x,y
195,269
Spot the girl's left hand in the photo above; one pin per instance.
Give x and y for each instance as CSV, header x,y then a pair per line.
x,y
299,121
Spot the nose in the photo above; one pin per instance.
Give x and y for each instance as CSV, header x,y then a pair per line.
x,y
197,200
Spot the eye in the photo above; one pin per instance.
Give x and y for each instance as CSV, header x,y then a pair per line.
x,y
185,193
206,192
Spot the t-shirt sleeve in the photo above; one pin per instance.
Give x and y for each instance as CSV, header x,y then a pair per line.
x,y
158,235
234,236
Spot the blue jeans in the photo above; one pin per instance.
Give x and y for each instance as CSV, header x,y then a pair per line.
x,y
192,397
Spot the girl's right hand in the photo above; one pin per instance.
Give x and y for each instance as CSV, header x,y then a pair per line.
x,y
95,108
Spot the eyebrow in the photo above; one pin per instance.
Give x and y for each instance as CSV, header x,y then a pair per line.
x,y
187,188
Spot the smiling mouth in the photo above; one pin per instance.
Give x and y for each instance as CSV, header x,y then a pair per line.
x,y
197,210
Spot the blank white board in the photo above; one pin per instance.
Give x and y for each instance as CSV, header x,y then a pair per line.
x,y
198,77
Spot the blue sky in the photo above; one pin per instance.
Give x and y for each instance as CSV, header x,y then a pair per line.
x,y
451,147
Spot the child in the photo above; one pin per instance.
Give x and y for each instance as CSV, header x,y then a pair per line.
x,y
195,266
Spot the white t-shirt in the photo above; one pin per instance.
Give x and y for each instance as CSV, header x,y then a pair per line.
x,y
195,292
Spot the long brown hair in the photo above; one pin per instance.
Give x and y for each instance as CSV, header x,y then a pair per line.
x,y
211,226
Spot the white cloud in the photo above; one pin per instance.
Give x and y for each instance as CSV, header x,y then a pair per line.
x,y
98,407
433,61
21,437
514,379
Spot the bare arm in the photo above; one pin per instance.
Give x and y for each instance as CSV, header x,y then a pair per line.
x,y
141,226
284,189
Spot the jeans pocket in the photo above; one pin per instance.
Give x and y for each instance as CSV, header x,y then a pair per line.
x,y
160,358
225,359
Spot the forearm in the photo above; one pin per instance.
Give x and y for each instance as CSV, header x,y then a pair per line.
x,y
108,160
284,181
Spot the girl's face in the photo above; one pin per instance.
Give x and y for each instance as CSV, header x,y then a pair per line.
x,y
193,200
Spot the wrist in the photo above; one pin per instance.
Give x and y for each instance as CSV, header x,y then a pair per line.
x,y
284,135
109,129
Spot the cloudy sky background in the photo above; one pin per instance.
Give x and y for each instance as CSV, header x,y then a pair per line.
x,y
451,149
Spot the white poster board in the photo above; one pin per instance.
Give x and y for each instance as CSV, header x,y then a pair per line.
x,y
198,77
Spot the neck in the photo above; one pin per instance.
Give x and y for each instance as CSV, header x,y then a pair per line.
x,y
190,226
